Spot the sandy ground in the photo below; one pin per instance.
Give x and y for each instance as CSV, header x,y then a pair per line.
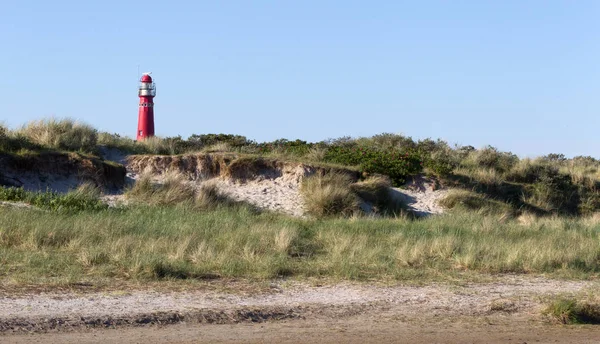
x,y
508,308
357,330
422,196
271,194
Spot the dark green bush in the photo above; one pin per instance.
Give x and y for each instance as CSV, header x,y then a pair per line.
x,y
204,140
556,191
491,157
296,147
392,163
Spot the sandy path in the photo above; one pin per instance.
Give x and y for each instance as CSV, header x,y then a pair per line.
x,y
510,295
505,311
355,330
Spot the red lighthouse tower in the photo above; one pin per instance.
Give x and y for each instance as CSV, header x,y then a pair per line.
x,y
147,92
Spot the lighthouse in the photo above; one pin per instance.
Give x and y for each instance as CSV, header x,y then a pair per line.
x,y
146,92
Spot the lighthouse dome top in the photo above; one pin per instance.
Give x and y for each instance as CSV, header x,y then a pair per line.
x,y
146,78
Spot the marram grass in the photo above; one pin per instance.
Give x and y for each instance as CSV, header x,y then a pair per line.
x,y
164,243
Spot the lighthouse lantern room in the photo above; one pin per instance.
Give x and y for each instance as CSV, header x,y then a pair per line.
x,y
146,92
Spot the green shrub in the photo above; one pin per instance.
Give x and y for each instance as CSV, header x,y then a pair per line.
x,y
387,141
394,164
554,191
284,146
490,157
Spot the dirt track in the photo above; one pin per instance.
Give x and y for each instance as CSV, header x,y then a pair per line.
x,y
355,329
505,311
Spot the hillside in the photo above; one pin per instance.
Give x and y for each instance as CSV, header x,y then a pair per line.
x,y
486,179
100,221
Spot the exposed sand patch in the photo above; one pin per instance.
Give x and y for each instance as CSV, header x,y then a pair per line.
x,y
422,196
271,194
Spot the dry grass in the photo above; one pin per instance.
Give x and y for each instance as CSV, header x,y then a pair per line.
x,y
482,175
155,243
218,147
62,134
172,189
329,194
376,191
469,200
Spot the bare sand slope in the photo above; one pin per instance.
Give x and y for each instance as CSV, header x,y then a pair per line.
x,y
422,195
270,185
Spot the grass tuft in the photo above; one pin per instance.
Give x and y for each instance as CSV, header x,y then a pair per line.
x,y
173,189
329,194
61,134
376,191
572,311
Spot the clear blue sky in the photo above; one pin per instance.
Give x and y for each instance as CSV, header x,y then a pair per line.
x,y
520,75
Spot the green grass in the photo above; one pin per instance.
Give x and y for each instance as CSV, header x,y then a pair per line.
x,y
569,310
85,197
144,243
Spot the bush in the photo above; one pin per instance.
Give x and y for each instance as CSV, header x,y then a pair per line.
x,y
283,146
386,141
392,163
554,191
204,140
329,194
64,134
490,157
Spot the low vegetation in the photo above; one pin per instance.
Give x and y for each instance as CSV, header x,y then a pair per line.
x,y
329,195
85,197
144,243
548,185
65,134
174,189
508,214
569,310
